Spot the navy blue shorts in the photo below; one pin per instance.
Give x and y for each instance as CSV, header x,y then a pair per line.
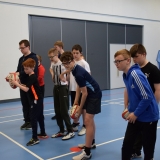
x,y
92,105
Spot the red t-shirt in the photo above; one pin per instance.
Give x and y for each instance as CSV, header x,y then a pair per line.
x,y
41,71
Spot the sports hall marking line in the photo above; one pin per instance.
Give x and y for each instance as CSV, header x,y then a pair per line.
x,y
21,146
63,155
22,114
21,119
48,103
111,100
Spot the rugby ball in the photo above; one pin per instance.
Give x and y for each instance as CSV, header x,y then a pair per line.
x,y
125,113
10,77
73,112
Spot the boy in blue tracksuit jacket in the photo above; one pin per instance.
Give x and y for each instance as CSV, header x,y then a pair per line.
x,y
143,108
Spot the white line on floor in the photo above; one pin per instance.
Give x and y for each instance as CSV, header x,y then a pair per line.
x,y
63,155
21,146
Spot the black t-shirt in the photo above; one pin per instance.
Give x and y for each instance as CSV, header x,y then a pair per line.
x,y
22,75
34,89
152,73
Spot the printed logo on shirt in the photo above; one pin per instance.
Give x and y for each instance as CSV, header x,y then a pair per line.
x,y
132,86
147,75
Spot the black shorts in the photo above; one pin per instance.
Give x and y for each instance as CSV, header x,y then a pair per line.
x,y
92,105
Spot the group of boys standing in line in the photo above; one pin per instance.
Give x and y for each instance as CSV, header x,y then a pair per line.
x,y
140,97
85,92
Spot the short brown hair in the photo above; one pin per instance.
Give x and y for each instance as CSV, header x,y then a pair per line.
x,y
39,57
54,51
29,63
67,56
25,41
59,43
137,49
124,52
77,47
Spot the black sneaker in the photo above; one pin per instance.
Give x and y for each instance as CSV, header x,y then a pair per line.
x,y
28,126
32,142
136,155
54,117
40,135
24,125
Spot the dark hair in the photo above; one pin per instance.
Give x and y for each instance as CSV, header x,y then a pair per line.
x,y
66,57
26,43
29,63
77,47
137,49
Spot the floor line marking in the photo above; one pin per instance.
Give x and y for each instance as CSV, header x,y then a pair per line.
x,y
21,146
63,155
22,118
22,114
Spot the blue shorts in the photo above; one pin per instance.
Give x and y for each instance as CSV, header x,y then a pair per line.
x,y
92,105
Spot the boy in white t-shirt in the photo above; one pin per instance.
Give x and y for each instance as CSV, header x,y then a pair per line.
x,y
77,54
61,98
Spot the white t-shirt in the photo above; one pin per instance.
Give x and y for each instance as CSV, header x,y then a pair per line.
x,y
58,69
73,84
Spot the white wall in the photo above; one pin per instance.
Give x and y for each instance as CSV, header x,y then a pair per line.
x,y
14,25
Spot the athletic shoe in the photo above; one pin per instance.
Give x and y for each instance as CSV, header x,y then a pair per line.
x,y
54,117
28,126
82,131
59,134
24,125
82,156
32,142
40,135
135,155
82,146
75,126
69,135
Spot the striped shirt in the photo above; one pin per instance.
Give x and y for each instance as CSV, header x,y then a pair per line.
x,y
57,70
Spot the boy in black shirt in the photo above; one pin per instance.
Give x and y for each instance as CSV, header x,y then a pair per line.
x,y
36,100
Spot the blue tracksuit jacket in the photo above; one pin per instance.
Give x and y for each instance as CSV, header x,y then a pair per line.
x,y
141,98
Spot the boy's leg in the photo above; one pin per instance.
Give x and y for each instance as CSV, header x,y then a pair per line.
x,y
64,103
25,107
149,139
40,116
131,132
137,145
57,107
90,129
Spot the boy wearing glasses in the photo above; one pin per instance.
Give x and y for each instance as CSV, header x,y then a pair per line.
x,y
91,100
143,108
24,47
61,97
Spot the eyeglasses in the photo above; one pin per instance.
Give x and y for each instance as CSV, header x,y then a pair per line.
x,y
66,63
119,61
21,48
51,56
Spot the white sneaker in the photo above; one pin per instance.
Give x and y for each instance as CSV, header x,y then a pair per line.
x,y
82,146
82,156
82,131
69,135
